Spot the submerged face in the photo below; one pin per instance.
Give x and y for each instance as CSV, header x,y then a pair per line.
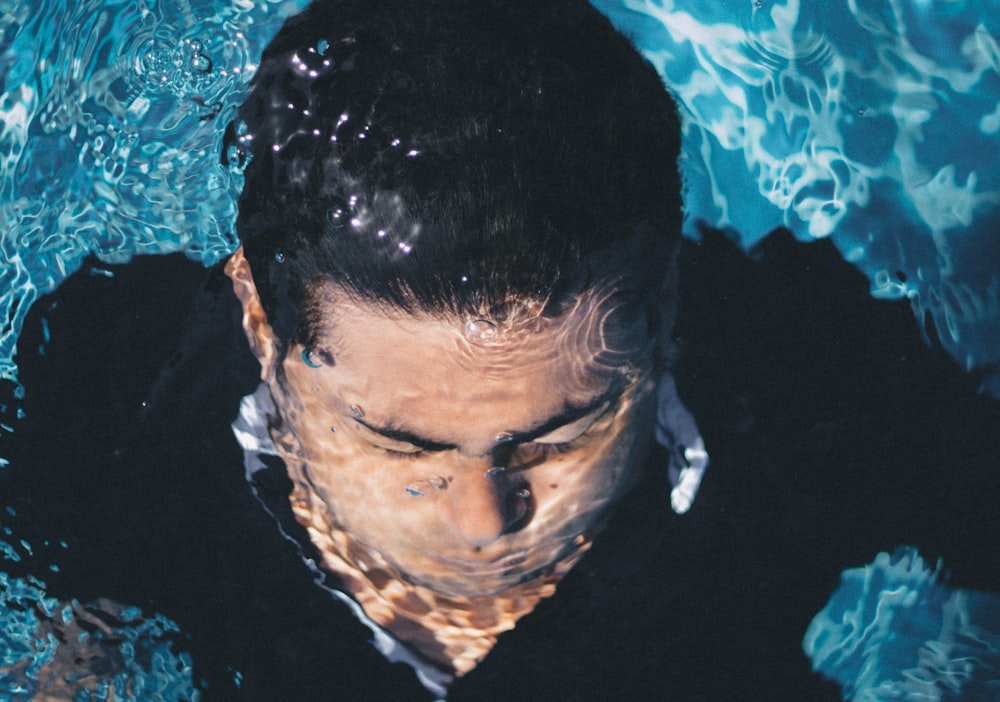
x,y
468,455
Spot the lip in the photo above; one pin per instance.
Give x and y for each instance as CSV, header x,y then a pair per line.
x,y
484,568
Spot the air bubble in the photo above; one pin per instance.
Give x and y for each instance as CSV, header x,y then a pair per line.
x,y
309,359
337,214
423,488
201,63
235,156
357,411
325,357
481,331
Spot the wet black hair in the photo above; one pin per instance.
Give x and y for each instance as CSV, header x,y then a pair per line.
x,y
454,155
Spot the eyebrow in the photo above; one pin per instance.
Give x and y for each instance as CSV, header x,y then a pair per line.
x,y
569,415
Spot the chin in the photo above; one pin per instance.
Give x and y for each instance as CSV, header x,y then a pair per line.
x,y
469,578
470,586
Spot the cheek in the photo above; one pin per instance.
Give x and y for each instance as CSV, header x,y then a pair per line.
x,y
589,479
367,494
574,487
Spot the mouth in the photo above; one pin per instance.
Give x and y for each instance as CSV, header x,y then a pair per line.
x,y
497,567
462,576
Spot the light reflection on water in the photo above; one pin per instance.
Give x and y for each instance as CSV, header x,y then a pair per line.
x,y
875,123
99,651
110,127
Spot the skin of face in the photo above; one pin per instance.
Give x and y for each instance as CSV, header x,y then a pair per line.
x,y
469,454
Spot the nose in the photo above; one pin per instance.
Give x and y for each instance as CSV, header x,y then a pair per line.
x,y
481,504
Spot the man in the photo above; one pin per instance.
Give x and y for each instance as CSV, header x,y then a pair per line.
x,y
458,230
834,432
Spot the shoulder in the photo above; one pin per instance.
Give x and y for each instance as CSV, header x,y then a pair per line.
x,y
132,375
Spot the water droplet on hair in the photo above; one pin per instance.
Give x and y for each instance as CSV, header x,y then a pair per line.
x,y
523,493
504,437
494,471
279,255
480,330
357,411
337,214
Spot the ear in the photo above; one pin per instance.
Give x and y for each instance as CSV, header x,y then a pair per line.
x,y
255,324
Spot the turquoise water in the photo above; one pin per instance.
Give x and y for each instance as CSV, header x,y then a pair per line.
x,y
874,123
892,631
113,651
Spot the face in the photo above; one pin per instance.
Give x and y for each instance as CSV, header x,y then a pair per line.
x,y
469,455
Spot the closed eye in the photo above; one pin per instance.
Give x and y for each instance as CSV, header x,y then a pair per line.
x,y
400,452
572,435
391,447
565,439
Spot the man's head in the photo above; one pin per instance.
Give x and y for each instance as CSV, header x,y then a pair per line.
x,y
454,156
458,230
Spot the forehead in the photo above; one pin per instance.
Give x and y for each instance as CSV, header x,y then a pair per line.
x,y
604,328
443,377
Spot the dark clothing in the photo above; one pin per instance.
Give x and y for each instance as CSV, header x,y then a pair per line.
x,y
834,433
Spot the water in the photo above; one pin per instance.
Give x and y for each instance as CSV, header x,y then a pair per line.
x,y
893,631
113,651
110,134
875,123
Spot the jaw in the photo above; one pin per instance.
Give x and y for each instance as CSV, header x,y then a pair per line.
x,y
452,631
